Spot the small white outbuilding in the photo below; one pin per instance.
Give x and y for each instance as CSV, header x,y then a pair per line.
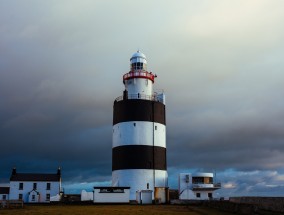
x,y
111,194
198,186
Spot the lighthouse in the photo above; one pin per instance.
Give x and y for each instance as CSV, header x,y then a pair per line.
x,y
139,132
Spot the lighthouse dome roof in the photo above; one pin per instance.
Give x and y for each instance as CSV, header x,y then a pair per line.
x,y
138,57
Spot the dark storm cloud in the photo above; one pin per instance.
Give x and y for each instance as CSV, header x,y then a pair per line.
x,y
61,65
242,141
48,122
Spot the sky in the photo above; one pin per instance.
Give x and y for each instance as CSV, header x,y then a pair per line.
x,y
219,62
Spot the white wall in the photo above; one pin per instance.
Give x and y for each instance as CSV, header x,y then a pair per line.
x,y
125,133
28,187
203,195
87,196
111,197
142,86
185,187
55,198
137,179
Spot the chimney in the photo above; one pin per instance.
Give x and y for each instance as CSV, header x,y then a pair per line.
x,y
59,171
14,172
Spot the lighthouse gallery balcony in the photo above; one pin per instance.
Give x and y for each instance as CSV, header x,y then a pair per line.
x,y
200,187
139,96
139,74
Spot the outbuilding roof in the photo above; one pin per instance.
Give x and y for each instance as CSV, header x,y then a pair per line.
x,y
113,188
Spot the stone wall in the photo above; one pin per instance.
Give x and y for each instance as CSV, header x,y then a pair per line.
x,y
242,205
263,203
231,207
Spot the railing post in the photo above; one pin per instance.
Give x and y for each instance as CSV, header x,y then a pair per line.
x,y
125,95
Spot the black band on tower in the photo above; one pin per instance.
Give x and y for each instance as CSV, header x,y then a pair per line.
x,y
139,157
138,110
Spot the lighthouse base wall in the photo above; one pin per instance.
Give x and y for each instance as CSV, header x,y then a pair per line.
x,y
137,179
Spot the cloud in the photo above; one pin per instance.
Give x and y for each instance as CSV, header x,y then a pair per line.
x,y
254,183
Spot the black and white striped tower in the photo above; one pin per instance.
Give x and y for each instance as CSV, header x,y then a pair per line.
x,y
139,132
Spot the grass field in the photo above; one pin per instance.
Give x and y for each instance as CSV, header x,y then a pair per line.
x,y
112,209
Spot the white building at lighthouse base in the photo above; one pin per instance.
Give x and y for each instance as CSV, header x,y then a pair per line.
x,y
140,179
197,186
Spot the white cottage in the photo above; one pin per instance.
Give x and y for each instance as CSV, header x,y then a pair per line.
x,y
198,186
34,187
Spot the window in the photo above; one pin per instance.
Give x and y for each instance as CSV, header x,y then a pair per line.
x,y
33,198
138,66
21,186
210,195
197,195
156,127
47,197
34,186
187,179
20,196
208,180
197,180
48,186
112,190
4,197
134,124
147,186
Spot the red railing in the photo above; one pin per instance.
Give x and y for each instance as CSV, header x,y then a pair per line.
x,y
139,74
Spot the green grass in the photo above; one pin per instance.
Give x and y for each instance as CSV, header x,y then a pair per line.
x,y
112,209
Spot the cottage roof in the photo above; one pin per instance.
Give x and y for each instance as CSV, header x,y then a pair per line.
x,y
4,190
34,177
